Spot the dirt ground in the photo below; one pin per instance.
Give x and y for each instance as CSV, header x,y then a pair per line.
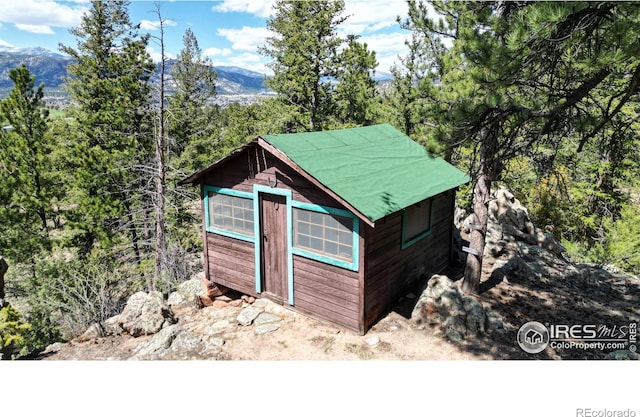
x,y
299,338
612,300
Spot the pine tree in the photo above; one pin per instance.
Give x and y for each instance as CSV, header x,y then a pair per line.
x,y
28,187
304,52
109,86
356,89
192,116
517,76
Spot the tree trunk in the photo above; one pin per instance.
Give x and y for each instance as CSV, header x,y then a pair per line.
x,y
473,269
161,244
490,169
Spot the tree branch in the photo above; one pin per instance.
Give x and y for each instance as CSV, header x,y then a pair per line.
x,y
633,86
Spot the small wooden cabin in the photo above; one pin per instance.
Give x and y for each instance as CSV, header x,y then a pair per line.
x,y
334,224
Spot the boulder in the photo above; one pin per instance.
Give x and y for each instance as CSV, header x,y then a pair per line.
x,y
144,314
459,315
159,343
188,291
93,332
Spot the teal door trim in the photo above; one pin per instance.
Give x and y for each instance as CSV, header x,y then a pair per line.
x,y
257,189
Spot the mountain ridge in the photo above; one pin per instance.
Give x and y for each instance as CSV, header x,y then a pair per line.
x,y
50,68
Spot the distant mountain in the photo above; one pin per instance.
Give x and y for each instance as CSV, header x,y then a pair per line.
x,y
50,69
381,76
231,80
38,51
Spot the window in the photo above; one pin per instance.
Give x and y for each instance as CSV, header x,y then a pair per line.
x,y
416,222
326,236
230,215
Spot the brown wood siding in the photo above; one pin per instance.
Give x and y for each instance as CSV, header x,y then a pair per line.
x,y
231,262
327,292
321,290
256,166
390,270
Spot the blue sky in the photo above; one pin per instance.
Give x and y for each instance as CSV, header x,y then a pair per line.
x,y
228,31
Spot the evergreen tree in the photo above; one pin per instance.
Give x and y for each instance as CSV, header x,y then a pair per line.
x,y
356,88
28,188
304,52
192,116
109,86
518,76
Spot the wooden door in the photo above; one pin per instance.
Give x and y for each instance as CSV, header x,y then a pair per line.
x,y
273,235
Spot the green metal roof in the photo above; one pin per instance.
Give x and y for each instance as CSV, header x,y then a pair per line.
x,y
376,169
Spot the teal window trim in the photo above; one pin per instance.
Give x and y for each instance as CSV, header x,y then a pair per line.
x,y
354,264
422,235
226,191
257,189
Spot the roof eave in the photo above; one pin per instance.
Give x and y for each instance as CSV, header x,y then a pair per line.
x,y
195,177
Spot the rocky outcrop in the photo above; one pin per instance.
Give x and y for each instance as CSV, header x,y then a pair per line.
x,y
513,244
460,316
144,314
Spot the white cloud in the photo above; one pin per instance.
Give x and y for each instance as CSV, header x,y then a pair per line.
x,y
245,39
155,25
40,16
43,30
218,52
5,44
260,8
366,16
245,60
156,56
387,47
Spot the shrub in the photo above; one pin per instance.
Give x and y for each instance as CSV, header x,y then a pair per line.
x,y
12,333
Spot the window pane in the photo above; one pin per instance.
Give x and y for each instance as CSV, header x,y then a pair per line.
x,y
331,234
231,213
344,237
303,215
345,251
316,218
325,234
316,231
303,241
316,244
331,248
417,219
